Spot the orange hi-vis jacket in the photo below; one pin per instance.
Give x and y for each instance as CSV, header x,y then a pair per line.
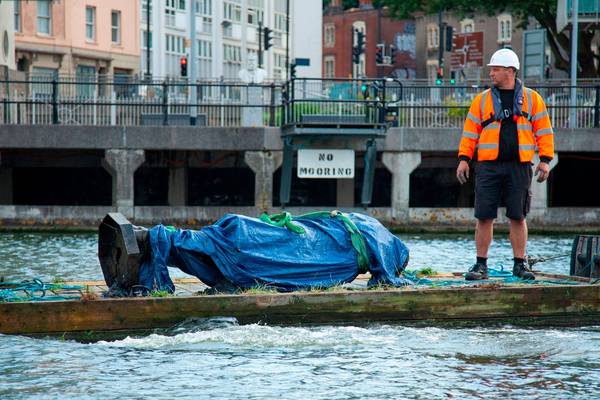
x,y
482,126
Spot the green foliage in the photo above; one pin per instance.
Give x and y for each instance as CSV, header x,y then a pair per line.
x,y
427,271
543,11
160,293
457,109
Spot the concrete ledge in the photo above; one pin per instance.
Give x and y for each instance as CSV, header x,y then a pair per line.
x,y
428,219
239,138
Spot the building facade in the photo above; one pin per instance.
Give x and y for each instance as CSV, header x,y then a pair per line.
x,y
497,32
77,37
227,32
7,35
339,37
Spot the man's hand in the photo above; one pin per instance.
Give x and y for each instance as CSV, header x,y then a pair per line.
x,y
543,170
462,172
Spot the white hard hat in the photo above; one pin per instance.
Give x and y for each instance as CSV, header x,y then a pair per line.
x,y
504,58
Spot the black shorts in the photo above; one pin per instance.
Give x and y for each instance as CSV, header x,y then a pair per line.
x,y
508,182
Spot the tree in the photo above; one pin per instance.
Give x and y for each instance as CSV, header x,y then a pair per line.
x,y
543,11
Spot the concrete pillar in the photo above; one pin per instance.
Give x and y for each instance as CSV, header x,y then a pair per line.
x,y
121,164
178,187
539,191
264,164
6,184
345,193
401,165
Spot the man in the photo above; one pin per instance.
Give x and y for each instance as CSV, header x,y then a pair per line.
x,y
505,124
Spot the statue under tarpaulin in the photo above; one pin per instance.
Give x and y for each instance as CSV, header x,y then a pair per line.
x,y
316,250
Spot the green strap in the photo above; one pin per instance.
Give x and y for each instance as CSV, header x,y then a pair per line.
x,y
285,219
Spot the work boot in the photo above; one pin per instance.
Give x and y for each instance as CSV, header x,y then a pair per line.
x,y
477,272
522,270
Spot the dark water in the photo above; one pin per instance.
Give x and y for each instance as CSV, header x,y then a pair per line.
x,y
218,359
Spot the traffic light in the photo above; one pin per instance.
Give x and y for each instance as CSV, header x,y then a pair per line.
x,y
364,89
449,33
360,41
393,54
183,66
267,37
293,70
355,56
440,76
359,48
452,77
379,53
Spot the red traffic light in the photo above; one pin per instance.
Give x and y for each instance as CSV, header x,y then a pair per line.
x,y
183,60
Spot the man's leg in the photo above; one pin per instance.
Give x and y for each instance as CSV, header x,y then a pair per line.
x,y
518,237
484,231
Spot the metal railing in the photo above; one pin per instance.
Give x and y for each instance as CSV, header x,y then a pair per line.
x,y
107,100
347,101
110,102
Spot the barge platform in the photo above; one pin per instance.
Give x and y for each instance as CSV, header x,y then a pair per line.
x,y
446,298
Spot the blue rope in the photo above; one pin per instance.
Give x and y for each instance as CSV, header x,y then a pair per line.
x,y
500,275
33,290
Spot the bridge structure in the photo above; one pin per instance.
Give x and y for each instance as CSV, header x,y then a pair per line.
x,y
394,130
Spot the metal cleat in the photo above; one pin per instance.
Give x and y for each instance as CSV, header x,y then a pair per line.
x,y
121,248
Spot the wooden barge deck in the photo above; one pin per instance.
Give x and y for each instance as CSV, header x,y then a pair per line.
x,y
552,300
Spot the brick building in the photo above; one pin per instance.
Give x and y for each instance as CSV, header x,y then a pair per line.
x,y
338,40
497,31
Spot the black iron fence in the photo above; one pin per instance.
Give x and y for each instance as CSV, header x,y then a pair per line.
x,y
104,100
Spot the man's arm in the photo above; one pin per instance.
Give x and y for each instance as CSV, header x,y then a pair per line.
x,y
544,136
469,139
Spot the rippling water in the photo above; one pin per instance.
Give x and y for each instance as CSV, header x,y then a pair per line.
x,y
218,359
227,361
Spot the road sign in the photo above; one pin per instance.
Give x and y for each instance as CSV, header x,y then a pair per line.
x,y
325,163
467,50
302,62
534,53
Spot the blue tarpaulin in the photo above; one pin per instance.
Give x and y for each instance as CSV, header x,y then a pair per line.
x,y
250,252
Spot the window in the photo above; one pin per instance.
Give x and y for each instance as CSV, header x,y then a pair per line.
x,y
329,40
146,6
170,12
175,44
175,49
90,23
39,75
433,36
146,48
329,67
232,54
204,59
232,12
280,24
17,16
115,22
85,74
504,28
279,66
232,61
181,5
204,7
146,39
255,16
44,17
467,25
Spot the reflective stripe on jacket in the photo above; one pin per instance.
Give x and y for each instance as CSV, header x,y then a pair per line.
x,y
482,126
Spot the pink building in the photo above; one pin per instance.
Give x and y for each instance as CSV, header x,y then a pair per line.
x,y
77,37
